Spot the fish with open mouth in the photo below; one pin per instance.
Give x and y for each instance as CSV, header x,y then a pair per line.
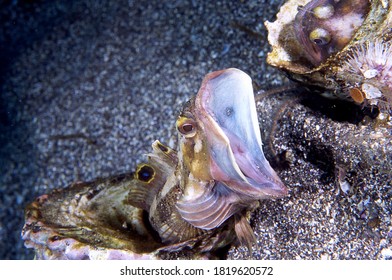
x,y
196,199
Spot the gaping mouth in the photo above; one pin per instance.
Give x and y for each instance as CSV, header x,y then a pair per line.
x,y
227,109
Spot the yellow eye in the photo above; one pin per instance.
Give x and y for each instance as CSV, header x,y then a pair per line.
x,y
320,36
145,173
186,126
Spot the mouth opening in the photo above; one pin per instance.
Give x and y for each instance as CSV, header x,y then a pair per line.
x,y
226,107
256,169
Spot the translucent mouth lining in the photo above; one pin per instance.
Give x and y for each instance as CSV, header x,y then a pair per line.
x,y
226,107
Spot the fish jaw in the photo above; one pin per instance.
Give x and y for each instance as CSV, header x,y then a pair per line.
x,y
226,108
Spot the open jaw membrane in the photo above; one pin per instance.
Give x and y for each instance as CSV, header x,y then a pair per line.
x,y
235,144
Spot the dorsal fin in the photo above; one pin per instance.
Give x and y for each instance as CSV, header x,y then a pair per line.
x,y
151,176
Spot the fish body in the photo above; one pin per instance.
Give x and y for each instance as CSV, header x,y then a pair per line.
x,y
196,198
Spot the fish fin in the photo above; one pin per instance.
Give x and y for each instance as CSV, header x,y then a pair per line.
x,y
244,231
165,153
169,224
211,209
150,177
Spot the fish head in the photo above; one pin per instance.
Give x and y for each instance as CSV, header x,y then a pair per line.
x,y
193,152
221,148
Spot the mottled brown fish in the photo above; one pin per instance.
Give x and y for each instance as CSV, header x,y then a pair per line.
x,y
341,47
197,199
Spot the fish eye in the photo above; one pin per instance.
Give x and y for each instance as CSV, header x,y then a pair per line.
x,y
145,173
320,36
186,127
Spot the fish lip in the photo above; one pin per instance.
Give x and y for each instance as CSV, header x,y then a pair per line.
x,y
235,148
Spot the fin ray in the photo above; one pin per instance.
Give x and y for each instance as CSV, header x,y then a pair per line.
x,y
210,210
